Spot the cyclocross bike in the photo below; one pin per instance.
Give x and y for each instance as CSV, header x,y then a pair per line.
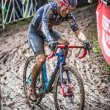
x,y
65,81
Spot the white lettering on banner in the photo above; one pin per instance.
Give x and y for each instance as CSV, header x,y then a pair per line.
x,y
106,23
106,49
106,34
107,38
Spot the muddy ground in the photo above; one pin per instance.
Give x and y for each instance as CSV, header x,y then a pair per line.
x,y
13,53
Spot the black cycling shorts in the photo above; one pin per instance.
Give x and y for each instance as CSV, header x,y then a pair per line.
x,y
36,41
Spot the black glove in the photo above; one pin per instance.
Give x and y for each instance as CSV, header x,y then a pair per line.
x,y
87,45
52,45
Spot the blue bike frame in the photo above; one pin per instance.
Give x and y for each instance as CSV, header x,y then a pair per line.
x,y
47,83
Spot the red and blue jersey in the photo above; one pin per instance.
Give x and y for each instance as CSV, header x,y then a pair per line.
x,y
48,16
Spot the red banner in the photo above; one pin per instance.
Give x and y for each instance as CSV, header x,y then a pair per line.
x,y
103,27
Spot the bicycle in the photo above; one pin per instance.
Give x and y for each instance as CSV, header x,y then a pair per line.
x,y
61,78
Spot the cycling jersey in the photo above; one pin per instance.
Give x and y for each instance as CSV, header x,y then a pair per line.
x,y
48,16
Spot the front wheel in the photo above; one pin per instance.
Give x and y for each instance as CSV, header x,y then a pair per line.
x,y
69,102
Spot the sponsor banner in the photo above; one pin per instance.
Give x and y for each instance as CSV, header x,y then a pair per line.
x,y
103,28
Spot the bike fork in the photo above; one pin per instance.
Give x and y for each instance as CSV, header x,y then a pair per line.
x,y
70,84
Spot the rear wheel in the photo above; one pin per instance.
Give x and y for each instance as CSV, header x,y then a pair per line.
x,y
70,102
27,79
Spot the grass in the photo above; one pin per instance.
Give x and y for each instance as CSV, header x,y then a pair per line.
x,y
92,33
97,51
96,47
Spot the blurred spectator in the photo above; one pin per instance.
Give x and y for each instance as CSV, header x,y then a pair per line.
x,y
18,8
10,4
29,7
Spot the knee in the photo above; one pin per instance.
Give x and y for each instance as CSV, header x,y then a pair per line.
x,y
41,58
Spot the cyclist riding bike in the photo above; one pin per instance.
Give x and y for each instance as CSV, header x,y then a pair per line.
x,y
40,30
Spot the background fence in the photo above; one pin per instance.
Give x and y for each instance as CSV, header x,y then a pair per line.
x,y
14,10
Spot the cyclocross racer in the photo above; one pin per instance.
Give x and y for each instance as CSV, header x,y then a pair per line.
x,y
40,30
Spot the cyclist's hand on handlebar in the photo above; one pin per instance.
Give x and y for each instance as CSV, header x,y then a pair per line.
x,y
87,45
52,45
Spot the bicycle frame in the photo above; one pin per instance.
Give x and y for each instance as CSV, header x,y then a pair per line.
x,y
47,84
60,60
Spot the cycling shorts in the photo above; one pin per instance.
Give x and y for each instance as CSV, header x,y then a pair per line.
x,y
36,40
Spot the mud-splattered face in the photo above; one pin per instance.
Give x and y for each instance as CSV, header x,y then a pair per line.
x,y
64,11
